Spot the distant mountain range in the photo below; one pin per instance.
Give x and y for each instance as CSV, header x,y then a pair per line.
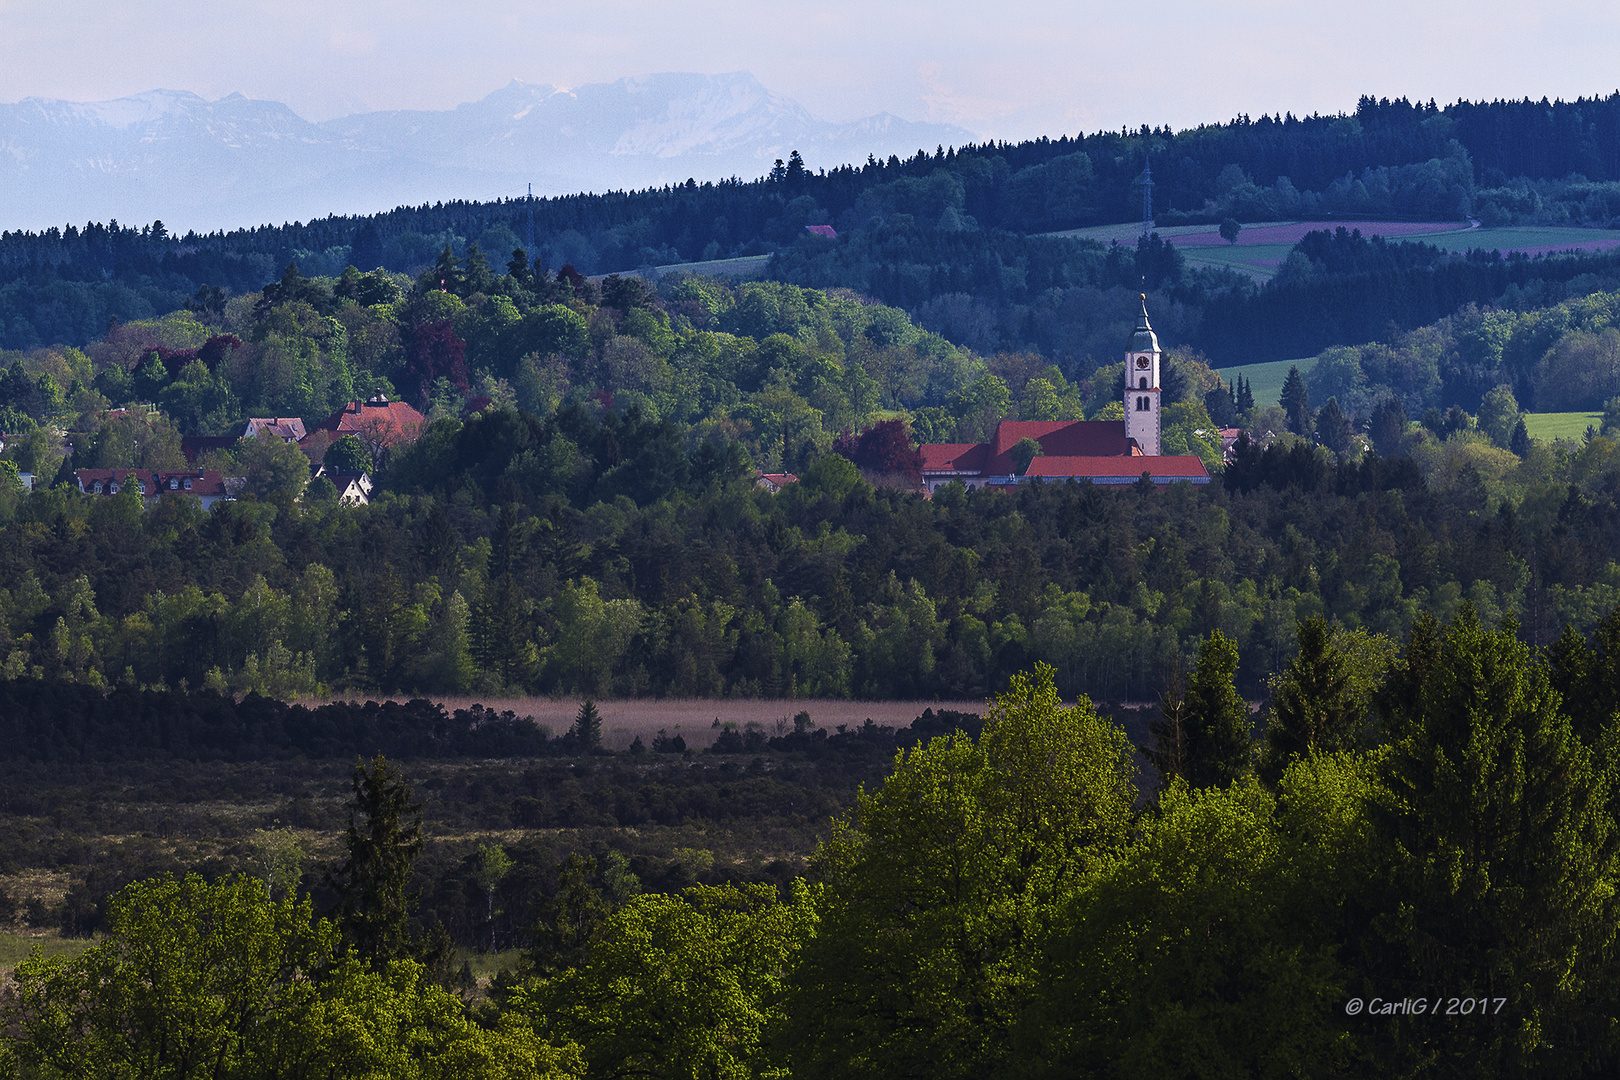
x,y
205,165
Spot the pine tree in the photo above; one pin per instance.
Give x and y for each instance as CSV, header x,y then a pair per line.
x,y
1333,428
383,841
1520,442
1168,750
1245,395
1501,854
1311,704
1388,427
587,730
1296,402
1217,721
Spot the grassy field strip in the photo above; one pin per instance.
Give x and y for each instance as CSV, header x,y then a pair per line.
x,y
744,266
1259,261
693,718
18,947
1549,426
1267,379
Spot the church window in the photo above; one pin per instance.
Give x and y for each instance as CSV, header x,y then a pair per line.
x,y
1144,383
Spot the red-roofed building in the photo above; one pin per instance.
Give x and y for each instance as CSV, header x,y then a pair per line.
x,y
826,232
378,423
1102,451
774,482
208,486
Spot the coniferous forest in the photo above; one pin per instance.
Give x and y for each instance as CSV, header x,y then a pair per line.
x,y
1335,796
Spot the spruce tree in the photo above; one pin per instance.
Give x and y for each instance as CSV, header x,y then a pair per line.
x,y
1296,402
1519,443
587,730
383,841
1500,848
1217,718
1312,707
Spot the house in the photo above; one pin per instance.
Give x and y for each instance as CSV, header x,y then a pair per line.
x,y
378,423
285,428
353,488
826,232
1102,451
774,482
209,487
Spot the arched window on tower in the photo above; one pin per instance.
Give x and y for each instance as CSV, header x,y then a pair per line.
x,y
1143,384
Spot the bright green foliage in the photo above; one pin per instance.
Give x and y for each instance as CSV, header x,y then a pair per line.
x,y
939,885
212,980
1187,956
1499,414
679,987
348,454
1501,856
1217,718
273,470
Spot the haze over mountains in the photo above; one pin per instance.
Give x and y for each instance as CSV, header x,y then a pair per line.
x,y
199,164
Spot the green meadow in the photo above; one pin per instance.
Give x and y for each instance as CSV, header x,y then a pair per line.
x,y
1267,379
1549,426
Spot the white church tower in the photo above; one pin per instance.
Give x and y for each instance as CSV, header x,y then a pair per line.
x,y
1142,386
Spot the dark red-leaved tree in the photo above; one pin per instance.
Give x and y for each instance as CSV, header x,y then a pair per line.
x,y
211,352
436,352
883,450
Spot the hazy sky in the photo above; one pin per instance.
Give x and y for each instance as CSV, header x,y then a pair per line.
x,y
1006,70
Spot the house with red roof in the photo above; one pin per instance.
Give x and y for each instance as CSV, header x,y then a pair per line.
x,y
378,423
774,482
208,486
1101,451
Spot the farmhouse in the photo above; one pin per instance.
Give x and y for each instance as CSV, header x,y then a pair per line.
x,y
1102,451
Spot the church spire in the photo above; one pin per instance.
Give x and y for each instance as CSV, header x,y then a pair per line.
x,y
1142,403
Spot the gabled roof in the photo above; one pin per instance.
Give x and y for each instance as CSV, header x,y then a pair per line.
x,y
392,421
185,482
286,428
1058,438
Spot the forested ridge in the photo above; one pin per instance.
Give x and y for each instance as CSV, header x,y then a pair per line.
x,y
593,526
1503,162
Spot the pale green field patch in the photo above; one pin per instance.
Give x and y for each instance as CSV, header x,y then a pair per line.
x,y
1549,426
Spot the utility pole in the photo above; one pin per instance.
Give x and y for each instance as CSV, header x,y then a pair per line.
x,y
1147,199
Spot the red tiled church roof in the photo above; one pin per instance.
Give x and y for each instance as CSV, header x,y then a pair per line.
x,y
953,457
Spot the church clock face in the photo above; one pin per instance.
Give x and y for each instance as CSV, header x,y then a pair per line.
x,y
1142,362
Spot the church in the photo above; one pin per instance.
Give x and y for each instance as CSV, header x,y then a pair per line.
x,y
1102,451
